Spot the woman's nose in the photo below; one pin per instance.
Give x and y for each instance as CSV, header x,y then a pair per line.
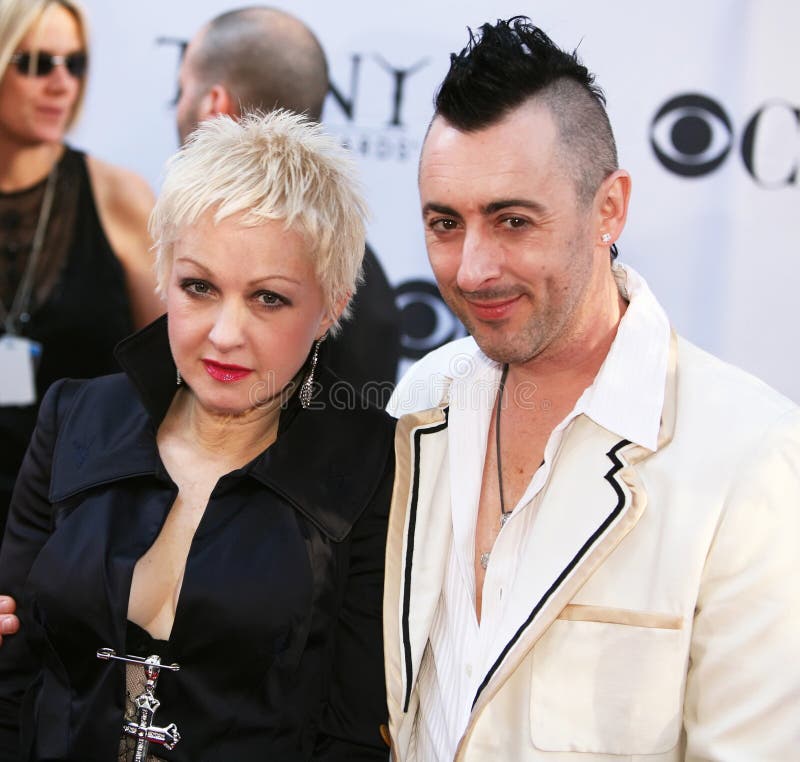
x,y
227,331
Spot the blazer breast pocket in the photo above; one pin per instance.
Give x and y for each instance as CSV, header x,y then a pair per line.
x,y
609,681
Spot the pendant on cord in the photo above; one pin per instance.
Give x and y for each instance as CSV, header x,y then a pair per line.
x,y
504,517
504,514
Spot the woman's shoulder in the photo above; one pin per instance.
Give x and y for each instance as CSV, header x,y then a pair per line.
x,y
119,190
94,398
372,416
96,429
345,406
124,201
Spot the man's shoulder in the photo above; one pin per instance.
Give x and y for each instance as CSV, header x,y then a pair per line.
x,y
714,393
425,383
703,368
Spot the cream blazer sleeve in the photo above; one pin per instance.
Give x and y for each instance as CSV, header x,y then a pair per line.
x,y
743,686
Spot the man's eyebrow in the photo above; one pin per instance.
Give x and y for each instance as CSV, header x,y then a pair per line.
x,y
432,206
488,209
497,206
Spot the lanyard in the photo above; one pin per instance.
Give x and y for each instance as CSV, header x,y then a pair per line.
x,y
22,299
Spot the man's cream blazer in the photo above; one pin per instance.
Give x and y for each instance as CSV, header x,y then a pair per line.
x,y
664,593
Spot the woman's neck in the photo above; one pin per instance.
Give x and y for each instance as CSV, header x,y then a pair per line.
x,y
234,439
24,166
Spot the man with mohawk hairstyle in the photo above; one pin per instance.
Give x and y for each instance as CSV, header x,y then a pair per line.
x,y
594,544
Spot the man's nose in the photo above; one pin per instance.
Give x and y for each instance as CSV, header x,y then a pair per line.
x,y
480,262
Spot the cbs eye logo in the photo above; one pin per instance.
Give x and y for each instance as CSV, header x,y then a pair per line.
x,y
692,135
426,322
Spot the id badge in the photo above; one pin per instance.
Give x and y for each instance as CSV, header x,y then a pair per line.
x,y
18,360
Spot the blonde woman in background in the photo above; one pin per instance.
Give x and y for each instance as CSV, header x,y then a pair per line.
x,y
75,266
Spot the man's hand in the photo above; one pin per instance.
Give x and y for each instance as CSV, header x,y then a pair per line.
x,y
9,623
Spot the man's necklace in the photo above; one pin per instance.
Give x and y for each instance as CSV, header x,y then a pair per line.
x,y
504,514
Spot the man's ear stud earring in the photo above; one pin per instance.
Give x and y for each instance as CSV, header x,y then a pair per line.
x,y
606,237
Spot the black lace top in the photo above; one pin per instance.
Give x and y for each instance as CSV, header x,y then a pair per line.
x,y
79,309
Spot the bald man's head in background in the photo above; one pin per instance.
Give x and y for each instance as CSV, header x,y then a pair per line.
x,y
254,58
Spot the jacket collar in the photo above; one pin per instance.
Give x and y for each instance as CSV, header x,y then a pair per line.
x,y
146,359
627,395
327,461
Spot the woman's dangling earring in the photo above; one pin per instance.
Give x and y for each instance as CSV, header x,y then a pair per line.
x,y
178,379
307,389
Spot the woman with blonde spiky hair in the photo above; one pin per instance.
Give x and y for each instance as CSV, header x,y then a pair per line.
x,y
222,504
75,267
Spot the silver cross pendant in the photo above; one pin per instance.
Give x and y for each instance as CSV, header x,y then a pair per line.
x,y
146,703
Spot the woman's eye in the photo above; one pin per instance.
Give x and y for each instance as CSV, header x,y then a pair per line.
x,y
198,287
270,299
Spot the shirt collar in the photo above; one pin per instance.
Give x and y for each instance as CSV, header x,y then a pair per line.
x,y
627,395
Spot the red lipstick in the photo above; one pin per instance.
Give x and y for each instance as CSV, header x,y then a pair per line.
x,y
224,372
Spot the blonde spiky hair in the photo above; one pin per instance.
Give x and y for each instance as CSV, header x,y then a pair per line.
x,y
275,166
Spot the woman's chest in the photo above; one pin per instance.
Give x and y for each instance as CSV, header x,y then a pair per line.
x,y
257,577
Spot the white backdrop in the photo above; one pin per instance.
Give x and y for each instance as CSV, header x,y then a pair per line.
x,y
713,224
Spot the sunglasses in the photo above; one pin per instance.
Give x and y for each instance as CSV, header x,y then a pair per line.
x,y
40,66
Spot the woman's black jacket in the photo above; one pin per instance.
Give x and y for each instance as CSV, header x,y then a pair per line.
x,y
278,623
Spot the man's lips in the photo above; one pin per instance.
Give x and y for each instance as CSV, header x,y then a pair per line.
x,y
224,372
494,309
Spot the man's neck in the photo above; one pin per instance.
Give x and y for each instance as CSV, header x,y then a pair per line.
x,y
574,361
